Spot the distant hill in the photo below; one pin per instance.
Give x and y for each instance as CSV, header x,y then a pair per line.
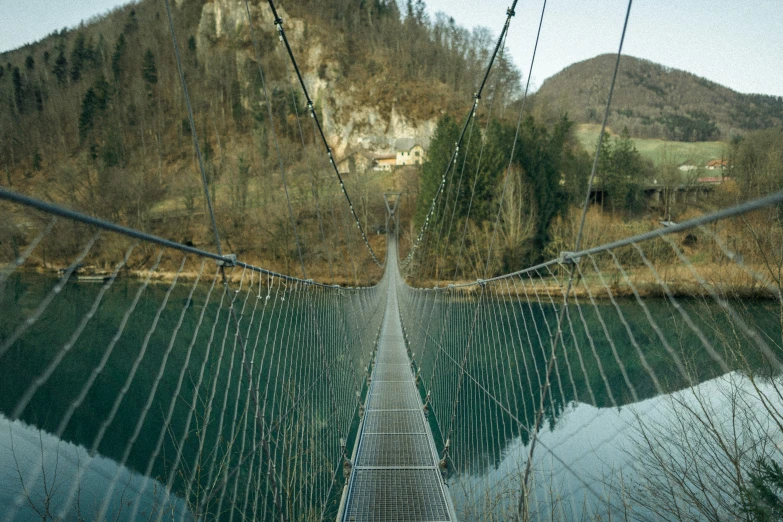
x,y
654,101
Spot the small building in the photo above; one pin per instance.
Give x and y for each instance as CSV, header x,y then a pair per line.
x,y
408,152
384,161
717,164
688,166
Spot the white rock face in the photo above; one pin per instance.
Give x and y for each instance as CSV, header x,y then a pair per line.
x,y
346,125
368,128
223,19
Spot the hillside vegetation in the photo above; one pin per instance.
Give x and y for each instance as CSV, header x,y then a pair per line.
x,y
94,118
654,101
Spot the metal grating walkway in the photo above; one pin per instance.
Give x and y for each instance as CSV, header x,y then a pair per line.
x,y
395,475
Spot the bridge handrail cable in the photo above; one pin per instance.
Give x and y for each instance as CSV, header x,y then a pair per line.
x,y
225,260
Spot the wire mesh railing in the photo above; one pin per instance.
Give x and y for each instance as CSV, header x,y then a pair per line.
x,y
632,395
146,379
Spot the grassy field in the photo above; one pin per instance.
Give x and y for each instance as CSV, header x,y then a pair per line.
x,y
657,150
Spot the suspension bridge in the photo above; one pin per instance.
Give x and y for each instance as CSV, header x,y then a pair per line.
x,y
208,388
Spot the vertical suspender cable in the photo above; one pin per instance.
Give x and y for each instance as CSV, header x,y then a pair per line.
x,y
522,506
192,122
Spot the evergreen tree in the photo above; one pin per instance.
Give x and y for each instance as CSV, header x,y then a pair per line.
x,y
29,63
113,150
604,166
132,23
541,155
192,48
577,164
102,92
116,58
60,69
95,101
38,99
78,55
762,497
19,90
89,108
625,174
91,54
621,172
433,169
237,110
149,72
482,178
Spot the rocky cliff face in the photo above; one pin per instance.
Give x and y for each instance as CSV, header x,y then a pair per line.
x,y
346,124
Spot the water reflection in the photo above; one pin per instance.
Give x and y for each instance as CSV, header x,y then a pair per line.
x,y
591,455
159,383
483,364
37,470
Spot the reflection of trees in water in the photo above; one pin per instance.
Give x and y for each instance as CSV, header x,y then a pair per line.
x,y
700,462
38,470
222,447
504,371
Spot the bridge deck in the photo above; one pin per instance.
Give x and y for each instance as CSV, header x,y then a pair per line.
x,y
395,476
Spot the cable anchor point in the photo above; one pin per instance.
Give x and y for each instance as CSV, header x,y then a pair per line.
x,y
569,258
279,25
228,260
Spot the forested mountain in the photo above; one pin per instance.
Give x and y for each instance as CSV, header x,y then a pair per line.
x,y
94,117
654,101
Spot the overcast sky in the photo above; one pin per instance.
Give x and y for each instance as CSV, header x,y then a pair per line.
x,y
735,43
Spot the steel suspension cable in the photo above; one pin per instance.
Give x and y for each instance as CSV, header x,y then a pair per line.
x,y
477,170
311,108
270,116
194,133
522,509
450,184
476,97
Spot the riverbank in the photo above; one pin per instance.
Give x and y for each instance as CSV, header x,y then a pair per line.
x,y
700,280
709,274
724,279
235,276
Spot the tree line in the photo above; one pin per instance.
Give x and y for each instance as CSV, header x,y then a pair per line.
x,y
515,185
